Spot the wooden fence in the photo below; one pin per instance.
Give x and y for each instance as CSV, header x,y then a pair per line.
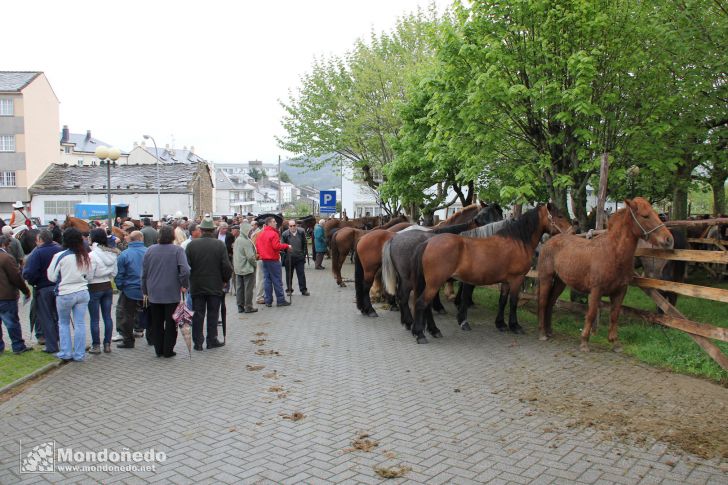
x,y
701,333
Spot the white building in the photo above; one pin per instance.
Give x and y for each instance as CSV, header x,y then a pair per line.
x,y
357,199
233,194
186,188
80,149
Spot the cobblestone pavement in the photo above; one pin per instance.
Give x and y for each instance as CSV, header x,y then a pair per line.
x,y
448,411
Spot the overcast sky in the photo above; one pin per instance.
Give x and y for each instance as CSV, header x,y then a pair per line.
x,y
202,73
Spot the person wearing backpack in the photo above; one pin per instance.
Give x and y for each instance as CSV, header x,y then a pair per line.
x,y
103,269
69,269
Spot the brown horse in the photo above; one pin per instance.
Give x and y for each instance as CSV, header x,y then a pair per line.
x,y
344,240
600,266
504,257
368,257
77,223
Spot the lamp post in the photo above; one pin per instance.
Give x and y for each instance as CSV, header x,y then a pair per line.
x,y
156,156
108,155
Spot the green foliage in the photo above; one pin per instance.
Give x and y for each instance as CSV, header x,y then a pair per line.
x,y
300,208
285,177
256,174
349,105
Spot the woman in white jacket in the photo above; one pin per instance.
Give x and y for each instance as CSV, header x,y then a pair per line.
x,y
69,270
101,295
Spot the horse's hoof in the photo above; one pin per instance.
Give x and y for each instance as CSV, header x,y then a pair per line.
x,y
517,329
465,326
584,348
450,298
436,334
543,338
394,308
421,340
501,326
442,311
342,285
372,314
617,348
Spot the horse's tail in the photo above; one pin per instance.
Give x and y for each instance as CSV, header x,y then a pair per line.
x,y
680,238
334,251
418,274
389,274
358,280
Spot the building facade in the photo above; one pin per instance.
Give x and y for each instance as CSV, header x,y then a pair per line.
x,y
185,188
233,194
29,124
80,149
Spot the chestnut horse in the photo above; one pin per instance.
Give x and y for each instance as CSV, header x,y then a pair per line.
x,y
345,239
504,257
600,266
368,254
86,227
397,262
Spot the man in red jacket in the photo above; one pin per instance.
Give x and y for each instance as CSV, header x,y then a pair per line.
x,y
269,247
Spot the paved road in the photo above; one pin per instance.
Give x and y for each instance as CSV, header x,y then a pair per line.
x,y
459,410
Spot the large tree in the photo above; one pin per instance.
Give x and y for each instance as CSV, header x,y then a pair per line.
x,y
349,105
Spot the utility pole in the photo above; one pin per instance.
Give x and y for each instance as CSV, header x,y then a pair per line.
x,y
280,200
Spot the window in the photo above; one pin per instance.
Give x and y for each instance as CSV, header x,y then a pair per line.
x,y
59,207
7,143
6,107
67,149
7,179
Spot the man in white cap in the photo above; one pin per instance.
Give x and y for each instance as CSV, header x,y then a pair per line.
x,y
18,217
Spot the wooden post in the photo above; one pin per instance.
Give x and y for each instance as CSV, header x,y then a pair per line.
x,y
602,195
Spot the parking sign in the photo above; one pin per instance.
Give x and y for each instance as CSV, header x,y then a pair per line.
x,y
327,201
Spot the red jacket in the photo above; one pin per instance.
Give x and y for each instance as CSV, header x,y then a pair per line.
x,y
269,245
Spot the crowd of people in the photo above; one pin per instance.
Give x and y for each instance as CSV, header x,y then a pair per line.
x,y
69,275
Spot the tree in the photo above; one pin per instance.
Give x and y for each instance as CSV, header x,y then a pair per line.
x,y
284,177
256,174
349,105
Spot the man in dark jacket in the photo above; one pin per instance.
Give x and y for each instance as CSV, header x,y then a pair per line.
x,y
149,233
10,282
56,231
210,270
35,272
129,282
296,238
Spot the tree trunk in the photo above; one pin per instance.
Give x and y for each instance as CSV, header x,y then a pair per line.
x,y
578,204
428,217
717,183
517,210
679,203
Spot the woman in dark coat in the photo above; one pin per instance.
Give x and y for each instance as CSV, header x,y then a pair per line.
x,y
165,279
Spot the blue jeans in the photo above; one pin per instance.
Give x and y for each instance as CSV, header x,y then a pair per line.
x,y
47,317
272,281
100,299
9,315
76,304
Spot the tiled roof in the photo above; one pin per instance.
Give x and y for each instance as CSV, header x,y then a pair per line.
x,y
84,143
175,155
142,178
223,181
13,81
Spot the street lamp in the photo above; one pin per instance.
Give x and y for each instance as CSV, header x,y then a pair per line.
x,y
156,155
108,155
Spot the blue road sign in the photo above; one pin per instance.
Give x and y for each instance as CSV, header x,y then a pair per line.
x,y
327,201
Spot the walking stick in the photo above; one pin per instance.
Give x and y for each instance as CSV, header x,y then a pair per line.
x,y
289,276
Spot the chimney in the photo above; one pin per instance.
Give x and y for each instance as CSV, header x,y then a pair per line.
x,y
88,135
65,136
192,149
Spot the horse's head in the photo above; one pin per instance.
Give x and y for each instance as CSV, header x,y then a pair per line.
x,y
554,222
488,213
647,224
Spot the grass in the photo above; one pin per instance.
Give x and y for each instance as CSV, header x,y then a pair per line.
x,y
653,344
13,367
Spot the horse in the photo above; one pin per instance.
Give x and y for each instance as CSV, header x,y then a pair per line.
x,y
77,223
664,269
397,258
345,239
504,257
368,254
27,239
600,266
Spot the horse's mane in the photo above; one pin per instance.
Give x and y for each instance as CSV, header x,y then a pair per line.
x,y
522,229
486,230
394,222
415,227
458,214
453,229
